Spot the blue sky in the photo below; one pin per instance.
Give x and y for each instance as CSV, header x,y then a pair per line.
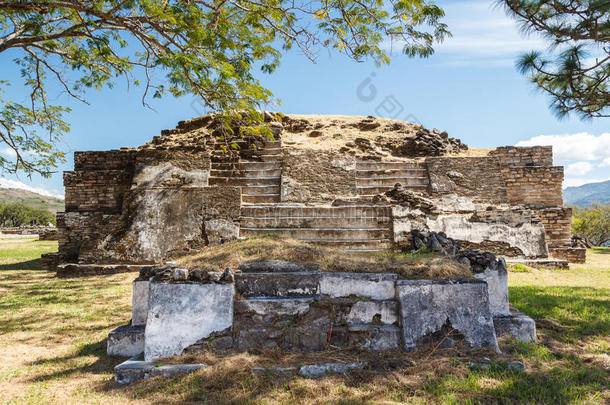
x,y
469,88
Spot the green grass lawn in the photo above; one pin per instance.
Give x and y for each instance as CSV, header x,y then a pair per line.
x,y
53,342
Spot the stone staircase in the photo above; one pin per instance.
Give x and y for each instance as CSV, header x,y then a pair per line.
x,y
378,177
353,227
259,179
304,310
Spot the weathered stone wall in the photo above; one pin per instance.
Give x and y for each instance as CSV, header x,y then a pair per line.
x,y
478,178
572,255
557,223
110,160
96,190
315,176
125,206
524,155
534,185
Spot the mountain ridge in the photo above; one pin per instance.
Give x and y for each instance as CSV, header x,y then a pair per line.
x,y
587,194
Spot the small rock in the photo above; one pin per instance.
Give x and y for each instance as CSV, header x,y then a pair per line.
x,y
215,276
171,265
319,370
315,133
199,275
227,276
516,366
180,274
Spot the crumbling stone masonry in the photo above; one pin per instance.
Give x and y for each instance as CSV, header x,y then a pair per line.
x,y
323,179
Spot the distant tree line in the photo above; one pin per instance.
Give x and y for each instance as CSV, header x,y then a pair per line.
x,y
592,223
18,214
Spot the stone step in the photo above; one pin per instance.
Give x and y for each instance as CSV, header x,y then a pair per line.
x,y
246,165
338,234
314,222
277,284
383,244
372,190
373,165
390,181
260,190
271,158
322,211
260,199
248,173
392,173
243,181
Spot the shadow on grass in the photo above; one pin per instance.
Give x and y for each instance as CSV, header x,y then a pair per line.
x,y
103,363
566,313
26,265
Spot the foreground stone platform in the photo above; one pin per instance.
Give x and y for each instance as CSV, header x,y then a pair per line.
x,y
277,306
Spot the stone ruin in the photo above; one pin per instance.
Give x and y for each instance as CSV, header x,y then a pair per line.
x,y
323,179
360,184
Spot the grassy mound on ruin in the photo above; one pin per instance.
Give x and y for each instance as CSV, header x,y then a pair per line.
x,y
406,265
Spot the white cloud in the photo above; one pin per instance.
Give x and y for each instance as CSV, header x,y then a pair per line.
x,y
573,147
605,162
8,152
7,183
483,34
575,182
578,169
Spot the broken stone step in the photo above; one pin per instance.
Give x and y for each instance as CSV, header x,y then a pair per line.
x,y
247,173
372,190
353,243
321,233
367,337
372,165
260,199
301,211
390,181
246,165
315,222
243,181
126,341
258,190
516,325
136,369
368,250
277,284
392,173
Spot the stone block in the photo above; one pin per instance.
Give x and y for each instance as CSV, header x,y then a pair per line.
x,y
319,370
383,312
139,302
497,288
366,337
516,325
136,369
180,315
427,305
277,266
377,286
291,284
126,341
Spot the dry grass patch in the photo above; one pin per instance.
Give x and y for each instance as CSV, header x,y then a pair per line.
x,y
231,254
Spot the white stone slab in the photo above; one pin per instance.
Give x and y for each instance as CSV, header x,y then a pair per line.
x,y
139,302
497,287
182,314
377,286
